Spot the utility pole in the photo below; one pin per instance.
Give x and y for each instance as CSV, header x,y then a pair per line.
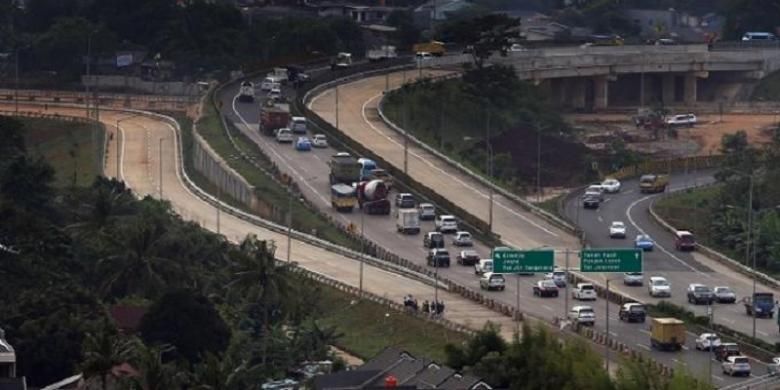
x,y
566,291
289,225
489,149
538,164
606,301
406,143
161,169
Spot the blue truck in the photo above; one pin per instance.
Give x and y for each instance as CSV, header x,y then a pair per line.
x,y
761,304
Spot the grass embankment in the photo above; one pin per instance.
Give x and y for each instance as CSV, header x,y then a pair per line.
x,y
768,88
266,189
369,328
691,210
72,148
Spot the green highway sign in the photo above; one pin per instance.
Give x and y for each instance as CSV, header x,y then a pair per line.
x,y
611,260
514,261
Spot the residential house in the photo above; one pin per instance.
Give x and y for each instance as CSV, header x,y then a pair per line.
x,y
8,379
362,14
127,318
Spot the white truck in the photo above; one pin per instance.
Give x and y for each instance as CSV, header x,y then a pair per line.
x,y
382,53
407,221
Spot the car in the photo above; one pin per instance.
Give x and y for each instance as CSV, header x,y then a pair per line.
x,y
492,281
611,185
303,144
298,124
446,223
482,266
631,312
319,141
758,36
582,315
699,293
736,365
584,292
274,94
558,277
617,230
427,211
404,200
633,279
468,257
707,342
462,239
724,294
684,240
595,189
773,368
516,47
658,286
433,240
665,42
284,135
545,288
681,120
725,350
644,242
424,56
590,202
438,257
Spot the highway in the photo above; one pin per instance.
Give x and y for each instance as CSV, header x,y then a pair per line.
x,y
310,170
680,268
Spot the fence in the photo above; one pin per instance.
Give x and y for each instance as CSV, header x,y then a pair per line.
x,y
114,100
682,164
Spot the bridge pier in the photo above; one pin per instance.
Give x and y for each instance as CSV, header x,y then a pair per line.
x,y
576,89
667,89
691,92
600,92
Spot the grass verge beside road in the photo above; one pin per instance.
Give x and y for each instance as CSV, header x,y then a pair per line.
x,y
72,148
369,328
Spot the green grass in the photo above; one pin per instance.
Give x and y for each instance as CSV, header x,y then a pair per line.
x,y
266,189
551,205
368,330
768,88
72,148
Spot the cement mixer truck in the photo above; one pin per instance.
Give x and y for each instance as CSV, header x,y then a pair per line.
x,y
372,197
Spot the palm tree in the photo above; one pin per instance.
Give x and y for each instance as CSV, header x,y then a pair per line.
x,y
103,350
153,373
264,284
221,373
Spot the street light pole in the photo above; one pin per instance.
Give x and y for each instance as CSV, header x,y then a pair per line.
x,y
161,168
566,291
337,107
406,143
16,80
538,164
362,247
489,149
289,226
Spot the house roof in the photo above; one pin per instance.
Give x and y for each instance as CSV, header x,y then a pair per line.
x,y
344,379
386,360
127,318
404,372
459,381
433,376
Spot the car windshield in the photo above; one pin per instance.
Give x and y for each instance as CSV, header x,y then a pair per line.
x,y
435,237
637,308
701,289
660,282
469,254
498,277
442,252
447,219
711,337
723,290
464,235
586,310
647,178
741,360
617,224
643,238
426,207
586,287
634,273
548,284
764,297
559,273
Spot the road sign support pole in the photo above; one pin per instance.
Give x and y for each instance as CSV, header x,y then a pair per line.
x,y
289,227
711,351
606,301
517,304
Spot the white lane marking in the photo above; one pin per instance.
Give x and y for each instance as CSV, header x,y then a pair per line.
x,y
657,245
645,331
628,192
430,164
643,346
548,308
762,333
685,347
273,150
730,321
718,378
613,334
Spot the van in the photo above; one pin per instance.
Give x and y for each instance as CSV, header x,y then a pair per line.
x,y
684,240
297,125
758,36
367,166
268,84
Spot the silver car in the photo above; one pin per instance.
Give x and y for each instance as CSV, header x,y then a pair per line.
x,y
724,294
633,279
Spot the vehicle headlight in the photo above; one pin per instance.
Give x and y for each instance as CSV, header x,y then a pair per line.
x,y
758,309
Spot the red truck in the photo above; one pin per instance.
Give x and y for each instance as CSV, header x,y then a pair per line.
x,y
273,116
372,197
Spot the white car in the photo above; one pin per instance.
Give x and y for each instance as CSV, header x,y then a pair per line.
x,y
707,342
773,368
446,223
633,279
584,292
736,365
427,211
724,294
484,265
557,276
275,94
659,287
611,186
517,47
284,135
681,120
462,239
582,315
617,230
319,141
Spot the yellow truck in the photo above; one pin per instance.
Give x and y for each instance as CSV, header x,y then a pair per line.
x,y
667,334
652,183
434,47
343,197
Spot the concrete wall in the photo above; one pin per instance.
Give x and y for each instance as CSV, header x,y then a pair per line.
x,y
136,83
217,171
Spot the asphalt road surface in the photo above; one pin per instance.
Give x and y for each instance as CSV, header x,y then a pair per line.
x,y
310,169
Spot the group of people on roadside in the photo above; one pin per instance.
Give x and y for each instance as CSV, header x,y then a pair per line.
x,y
433,309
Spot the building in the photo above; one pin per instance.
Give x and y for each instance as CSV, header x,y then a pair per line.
x,y
654,23
404,371
362,14
8,379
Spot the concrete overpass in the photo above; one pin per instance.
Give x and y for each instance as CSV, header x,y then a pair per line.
x,y
600,77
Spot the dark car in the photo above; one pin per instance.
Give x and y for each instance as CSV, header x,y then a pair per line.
x,y
438,258
724,350
468,257
590,202
546,288
405,200
433,240
631,312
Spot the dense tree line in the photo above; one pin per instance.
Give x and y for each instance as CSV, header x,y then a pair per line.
x,y
214,309
540,360
197,35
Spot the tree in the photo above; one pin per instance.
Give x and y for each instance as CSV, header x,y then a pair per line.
x,y
13,138
406,34
748,15
103,350
221,372
154,372
485,35
188,322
